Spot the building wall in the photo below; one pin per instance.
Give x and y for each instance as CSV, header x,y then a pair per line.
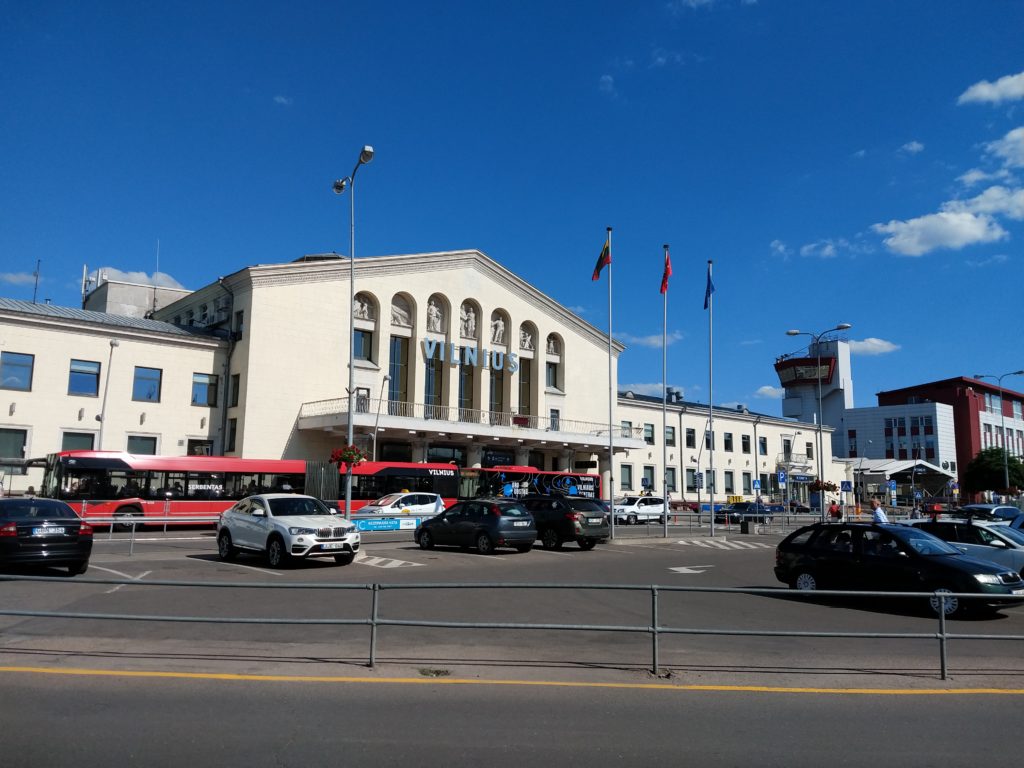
x,y
871,438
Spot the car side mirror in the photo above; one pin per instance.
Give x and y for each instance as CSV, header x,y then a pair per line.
x,y
997,543
334,511
258,513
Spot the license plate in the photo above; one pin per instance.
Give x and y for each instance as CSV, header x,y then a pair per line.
x,y
333,545
520,523
595,521
1018,591
49,531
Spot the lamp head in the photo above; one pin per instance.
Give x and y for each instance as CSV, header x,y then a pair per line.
x,y
366,155
115,343
387,377
1017,373
339,186
843,326
793,332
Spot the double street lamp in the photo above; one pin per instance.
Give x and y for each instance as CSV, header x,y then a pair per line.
x,y
817,375
339,186
1002,421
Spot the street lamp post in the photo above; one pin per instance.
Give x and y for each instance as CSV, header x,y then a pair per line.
x,y
102,417
1002,420
376,422
817,375
365,156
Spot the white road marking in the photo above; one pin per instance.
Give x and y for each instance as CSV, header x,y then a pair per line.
x,y
246,566
691,568
725,544
384,562
140,577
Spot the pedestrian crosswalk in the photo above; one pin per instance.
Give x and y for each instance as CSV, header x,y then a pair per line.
x,y
385,562
725,544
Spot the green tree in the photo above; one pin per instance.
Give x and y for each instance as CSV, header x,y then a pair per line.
x,y
985,472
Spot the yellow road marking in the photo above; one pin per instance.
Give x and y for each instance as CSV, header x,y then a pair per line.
x,y
547,683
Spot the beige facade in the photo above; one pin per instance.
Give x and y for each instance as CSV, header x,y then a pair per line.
x,y
457,359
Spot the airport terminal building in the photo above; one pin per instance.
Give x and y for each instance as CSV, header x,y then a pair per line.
x,y
456,359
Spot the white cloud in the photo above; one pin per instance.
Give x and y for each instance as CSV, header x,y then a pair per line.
x,y
577,310
823,249
976,176
283,101
872,346
651,390
1010,148
606,84
770,393
1007,88
159,279
779,248
997,200
947,229
654,340
17,278
860,153
999,258
912,147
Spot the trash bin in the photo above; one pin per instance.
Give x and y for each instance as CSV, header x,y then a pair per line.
x,y
746,526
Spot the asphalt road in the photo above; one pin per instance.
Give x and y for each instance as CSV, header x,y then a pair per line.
x,y
92,692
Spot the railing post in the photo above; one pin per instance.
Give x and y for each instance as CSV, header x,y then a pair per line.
x,y
131,543
654,630
942,634
374,605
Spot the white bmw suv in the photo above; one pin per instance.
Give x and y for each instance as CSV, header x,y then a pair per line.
x,y
285,526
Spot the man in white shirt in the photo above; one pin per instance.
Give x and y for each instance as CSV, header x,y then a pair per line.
x,y
877,513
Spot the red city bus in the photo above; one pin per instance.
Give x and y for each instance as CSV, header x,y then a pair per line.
x,y
116,484
519,481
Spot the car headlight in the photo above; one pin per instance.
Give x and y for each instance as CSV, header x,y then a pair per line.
x,y
301,531
986,578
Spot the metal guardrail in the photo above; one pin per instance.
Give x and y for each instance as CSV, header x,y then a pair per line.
x,y
656,630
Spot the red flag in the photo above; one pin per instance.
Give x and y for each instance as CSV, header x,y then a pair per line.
x,y
668,271
604,259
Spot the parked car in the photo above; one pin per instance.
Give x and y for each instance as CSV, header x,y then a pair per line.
x,y
47,532
995,541
567,518
481,523
421,504
798,508
744,510
1001,511
631,510
889,557
285,527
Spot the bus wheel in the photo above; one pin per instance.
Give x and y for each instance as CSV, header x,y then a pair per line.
x,y
130,520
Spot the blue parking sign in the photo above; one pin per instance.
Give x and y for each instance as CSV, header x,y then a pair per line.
x,y
782,476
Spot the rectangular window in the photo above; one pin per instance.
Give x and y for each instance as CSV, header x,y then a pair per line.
x,y
497,398
466,375
84,378
649,434
12,446
691,438
626,481
555,418
232,434
809,450
626,428
525,387
77,441
670,480
691,480
362,400
648,479
762,446
433,389
729,485
709,480
16,371
398,369
141,444
239,323
363,344
748,487
728,442
745,443
709,440
146,386
204,389
670,436
551,375
236,385
1017,412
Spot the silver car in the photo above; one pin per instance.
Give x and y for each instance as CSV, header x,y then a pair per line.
x,y
993,541
418,504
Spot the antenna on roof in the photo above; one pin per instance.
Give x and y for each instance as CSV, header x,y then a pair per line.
x,y
35,290
156,273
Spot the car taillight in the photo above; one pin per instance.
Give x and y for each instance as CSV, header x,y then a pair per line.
x,y
85,529
495,511
11,529
576,517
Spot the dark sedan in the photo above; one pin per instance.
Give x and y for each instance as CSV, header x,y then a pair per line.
x,y
744,510
481,523
43,532
892,558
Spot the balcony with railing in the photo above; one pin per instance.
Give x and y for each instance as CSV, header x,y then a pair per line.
x,y
332,415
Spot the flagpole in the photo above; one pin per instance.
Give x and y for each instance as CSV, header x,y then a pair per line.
x,y
664,393
611,397
709,298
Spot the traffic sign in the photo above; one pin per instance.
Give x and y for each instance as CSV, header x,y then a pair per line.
x,y
892,486
918,495
845,485
698,480
757,485
782,476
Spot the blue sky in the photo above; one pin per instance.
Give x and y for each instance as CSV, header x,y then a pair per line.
x,y
857,162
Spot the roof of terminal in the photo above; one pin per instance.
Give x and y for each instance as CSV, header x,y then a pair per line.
x,y
101,318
